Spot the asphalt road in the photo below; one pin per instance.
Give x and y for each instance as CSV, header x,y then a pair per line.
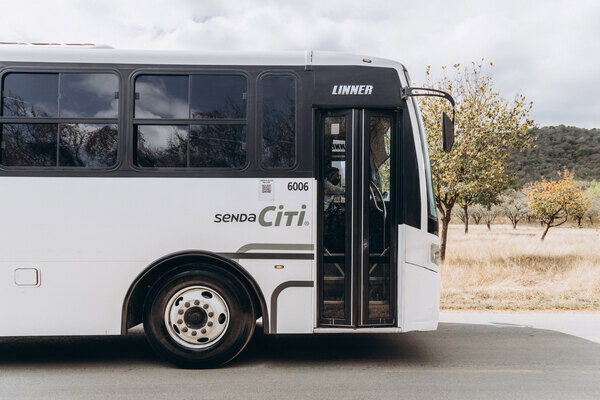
x,y
481,359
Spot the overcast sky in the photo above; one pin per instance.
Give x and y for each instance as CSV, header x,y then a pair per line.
x,y
547,50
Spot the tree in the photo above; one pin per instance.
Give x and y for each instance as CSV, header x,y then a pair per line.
x,y
581,208
481,199
593,193
488,128
593,213
477,213
460,214
552,202
490,213
464,202
514,206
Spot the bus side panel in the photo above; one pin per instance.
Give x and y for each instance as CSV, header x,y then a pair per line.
x,y
420,282
73,298
288,291
295,310
89,238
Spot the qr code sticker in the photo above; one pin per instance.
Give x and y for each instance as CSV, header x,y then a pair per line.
x,y
266,190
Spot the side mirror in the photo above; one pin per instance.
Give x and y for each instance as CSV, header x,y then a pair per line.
x,y
447,123
447,132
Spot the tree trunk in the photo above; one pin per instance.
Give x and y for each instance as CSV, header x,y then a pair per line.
x,y
444,238
579,221
515,221
466,210
545,231
489,225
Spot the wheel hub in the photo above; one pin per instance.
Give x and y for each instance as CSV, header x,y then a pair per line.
x,y
196,316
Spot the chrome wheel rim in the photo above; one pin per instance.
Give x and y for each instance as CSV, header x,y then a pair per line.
x,y
197,317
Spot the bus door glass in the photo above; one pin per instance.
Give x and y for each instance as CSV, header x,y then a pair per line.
x,y
336,217
357,244
378,255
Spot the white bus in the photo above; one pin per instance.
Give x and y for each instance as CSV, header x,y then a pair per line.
x,y
199,193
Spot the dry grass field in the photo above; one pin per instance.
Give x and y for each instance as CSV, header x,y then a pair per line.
x,y
507,269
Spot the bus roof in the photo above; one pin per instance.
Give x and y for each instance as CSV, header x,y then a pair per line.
x,y
89,53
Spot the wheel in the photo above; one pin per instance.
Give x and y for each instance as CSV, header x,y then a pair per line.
x,y
199,317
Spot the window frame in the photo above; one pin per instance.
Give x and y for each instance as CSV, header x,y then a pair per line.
x,y
133,122
259,119
58,121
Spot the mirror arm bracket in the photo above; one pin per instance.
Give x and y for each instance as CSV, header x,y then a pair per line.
x,y
412,91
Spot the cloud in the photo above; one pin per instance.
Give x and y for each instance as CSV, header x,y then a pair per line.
x,y
547,50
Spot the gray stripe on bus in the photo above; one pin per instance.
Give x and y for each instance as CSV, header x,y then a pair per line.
x,y
269,256
275,246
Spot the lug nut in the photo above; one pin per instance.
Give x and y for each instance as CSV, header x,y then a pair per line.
x,y
180,321
187,303
180,312
210,323
193,333
210,314
184,329
203,330
196,302
205,306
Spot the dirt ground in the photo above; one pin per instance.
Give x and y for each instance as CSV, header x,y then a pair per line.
x,y
508,269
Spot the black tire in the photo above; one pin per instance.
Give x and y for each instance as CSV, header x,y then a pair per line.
x,y
233,340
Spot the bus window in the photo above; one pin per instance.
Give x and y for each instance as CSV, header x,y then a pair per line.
x,y
87,145
278,121
336,261
86,142
80,145
218,96
161,96
89,95
431,205
197,144
379,209
217,146
162,145
30,95
29,145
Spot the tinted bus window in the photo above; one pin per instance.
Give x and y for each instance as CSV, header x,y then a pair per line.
x,y
162,145
218,96
79,145
161,96
218,146
30,95
278,121
196,144
88,95
87,98
88,145
29,145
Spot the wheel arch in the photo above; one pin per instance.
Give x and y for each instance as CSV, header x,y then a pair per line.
x,y
134,299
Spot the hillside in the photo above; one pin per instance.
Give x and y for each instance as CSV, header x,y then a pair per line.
x,y
557,147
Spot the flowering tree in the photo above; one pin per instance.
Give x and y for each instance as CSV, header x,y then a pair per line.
x,y
552,202
488,127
